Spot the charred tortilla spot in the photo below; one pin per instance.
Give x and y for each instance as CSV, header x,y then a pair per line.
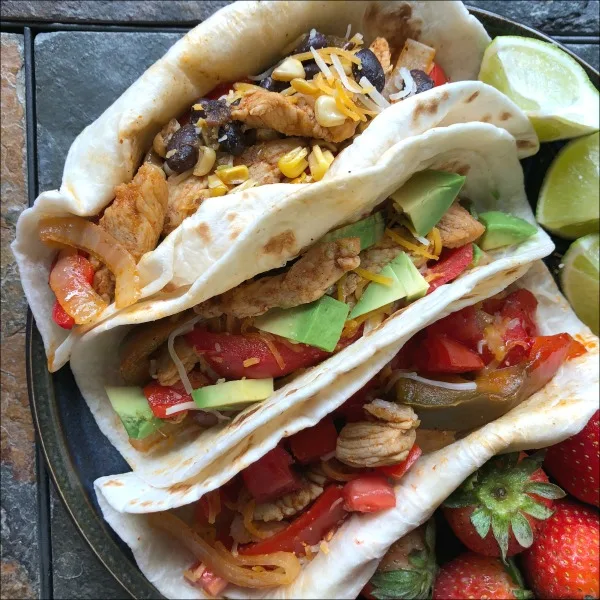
x,y
472,97
204,230
292,391
486,118
180,488
232,216
146,503
234,234
278,244
113,483
505,116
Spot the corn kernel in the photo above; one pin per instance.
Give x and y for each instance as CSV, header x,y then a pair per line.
x,y
327,112
294,162
231,175
289,69
206,161
304,87
216,187
319,162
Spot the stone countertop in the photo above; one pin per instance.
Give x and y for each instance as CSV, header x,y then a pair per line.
x,y
75,572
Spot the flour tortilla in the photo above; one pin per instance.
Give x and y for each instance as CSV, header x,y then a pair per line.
x,y
559,410
494,179
245,38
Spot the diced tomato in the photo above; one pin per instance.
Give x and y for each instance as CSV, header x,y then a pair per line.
x,y
206,580
60,317
397,471
547,354
352,409
438,75
161,397
226,354
271,477
517,342
464,326
451,264
84,271
521,305
307,529
369,493
310,444
441,354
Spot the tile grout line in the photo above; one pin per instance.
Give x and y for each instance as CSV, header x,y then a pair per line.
x,y
43,491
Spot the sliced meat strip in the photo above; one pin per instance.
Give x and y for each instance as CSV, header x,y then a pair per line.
x,y
166,371
307,280
185,197
289,115
288,505
381,49
457,227
261,159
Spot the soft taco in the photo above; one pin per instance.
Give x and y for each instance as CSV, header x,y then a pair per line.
x,y
207,132
333,497
326,313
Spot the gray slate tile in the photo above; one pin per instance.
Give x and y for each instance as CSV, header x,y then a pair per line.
x,y
589,52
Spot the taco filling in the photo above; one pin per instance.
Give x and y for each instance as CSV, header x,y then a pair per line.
x,y
285,125
235,349
463,371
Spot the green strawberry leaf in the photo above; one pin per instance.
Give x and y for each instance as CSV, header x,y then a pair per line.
x,y
401,584
521,530
535,509
461,498
522,594
500,530
545,490
515,574
481,519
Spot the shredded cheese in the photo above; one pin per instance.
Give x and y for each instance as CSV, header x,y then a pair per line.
x,y
374,276
248,515
383,310
471,385
350,86
251,361
373,93
435,237
267,339
408,245
321,64
340,287
185,328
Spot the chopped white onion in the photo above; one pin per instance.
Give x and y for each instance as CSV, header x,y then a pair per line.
x,y
222,138
321,64
410,87
185,328
348,30
337,65
373,93
513,323
480,345
328,456
471,385
177,408
421,239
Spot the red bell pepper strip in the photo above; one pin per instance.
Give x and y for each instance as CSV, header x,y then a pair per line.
x,y
271,477
547,354
207,581
314,442
161,397
441,354
396,472
451,264
306,530
438,75
369,493
84,275
226,354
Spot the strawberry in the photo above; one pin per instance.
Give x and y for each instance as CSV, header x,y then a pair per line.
x,y
563,561
408,569
499,509
575,463
475,576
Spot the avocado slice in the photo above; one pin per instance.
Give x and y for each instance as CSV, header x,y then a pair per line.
x,y
406,272
319,323
426,196
134,411
377,295
369,230
502,229
233,394
477,256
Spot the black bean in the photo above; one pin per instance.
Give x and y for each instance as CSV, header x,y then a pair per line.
x,y
234,138
250,137
370,68
216,112
310,69
273,86
422,81
313,39
185,142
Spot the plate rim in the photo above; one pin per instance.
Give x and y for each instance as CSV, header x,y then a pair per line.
x,y
57,460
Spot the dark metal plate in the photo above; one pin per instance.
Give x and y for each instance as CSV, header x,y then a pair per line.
x,y
75,450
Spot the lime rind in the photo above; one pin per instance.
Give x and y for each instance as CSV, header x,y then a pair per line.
x,y
569,201
546,83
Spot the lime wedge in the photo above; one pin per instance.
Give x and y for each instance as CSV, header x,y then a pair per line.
x,y
546,83
569,202
579,279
